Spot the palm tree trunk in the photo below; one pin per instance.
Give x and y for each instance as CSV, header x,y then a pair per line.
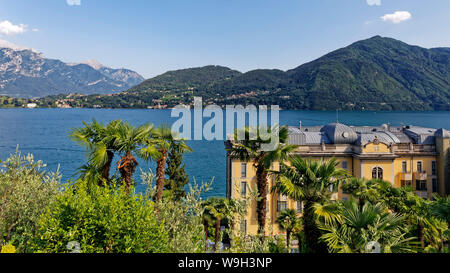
x,y
160,173
261,176
217,234
205,228
312,232
288,239
127,165
421,234
107,168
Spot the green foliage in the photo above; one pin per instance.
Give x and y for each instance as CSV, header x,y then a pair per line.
x,y
311,182
278,245
101,220
7,102
289,222
426,219
25,192
357,227
177,177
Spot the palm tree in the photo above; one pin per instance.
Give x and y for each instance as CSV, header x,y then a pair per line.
x,y
441,208
311,182
99,141
363,190
357,230
218,208
160,142
250,149
207,220
288,221
128,140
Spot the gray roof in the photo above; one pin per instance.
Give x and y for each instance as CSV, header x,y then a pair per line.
x,y
442,133
338,133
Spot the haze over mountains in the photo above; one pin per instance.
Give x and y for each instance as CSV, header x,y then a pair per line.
x,y
27,74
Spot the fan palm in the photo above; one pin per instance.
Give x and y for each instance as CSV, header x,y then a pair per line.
x,y
311,182
99,141
218,208
250,149
363,190
288,221
357,229
128,140
158,146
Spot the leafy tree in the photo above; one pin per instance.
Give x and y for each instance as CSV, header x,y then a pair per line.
x,y
25,193
177,177
250,150
182,219
311,182
100,220
288,221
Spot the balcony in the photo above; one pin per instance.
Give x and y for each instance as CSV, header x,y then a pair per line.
x,y
406,176
420,176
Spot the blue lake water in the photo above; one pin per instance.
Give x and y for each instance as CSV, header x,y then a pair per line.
x,y
44,133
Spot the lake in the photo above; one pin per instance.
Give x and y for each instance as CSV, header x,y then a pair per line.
x,y
44,133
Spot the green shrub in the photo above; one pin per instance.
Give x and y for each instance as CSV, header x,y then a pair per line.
x,y
25,193
100,220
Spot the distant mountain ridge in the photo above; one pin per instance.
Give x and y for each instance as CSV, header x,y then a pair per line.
x,y
27,74
377,73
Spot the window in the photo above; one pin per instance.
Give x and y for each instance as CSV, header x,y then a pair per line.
x,y
404,167
435,185
433,168
419,167
345,165
421,185
244,227
243,169
299,206
282,205
243,189
377,173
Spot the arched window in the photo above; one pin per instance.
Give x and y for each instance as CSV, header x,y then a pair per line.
x,y
377,173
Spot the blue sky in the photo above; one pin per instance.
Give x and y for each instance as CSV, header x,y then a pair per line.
x,y
154,36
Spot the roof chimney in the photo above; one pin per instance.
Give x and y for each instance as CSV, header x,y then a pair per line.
x,y
300,125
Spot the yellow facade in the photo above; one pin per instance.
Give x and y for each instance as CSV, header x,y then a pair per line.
x,y
422,167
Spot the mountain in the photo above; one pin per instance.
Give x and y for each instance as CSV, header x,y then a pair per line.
x,y
377,73
374,74
185,79
127,76
28,74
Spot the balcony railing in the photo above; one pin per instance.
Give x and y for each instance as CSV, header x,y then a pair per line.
x,y
420,176
406,176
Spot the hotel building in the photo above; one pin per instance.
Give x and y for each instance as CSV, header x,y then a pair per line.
x,y
404,156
